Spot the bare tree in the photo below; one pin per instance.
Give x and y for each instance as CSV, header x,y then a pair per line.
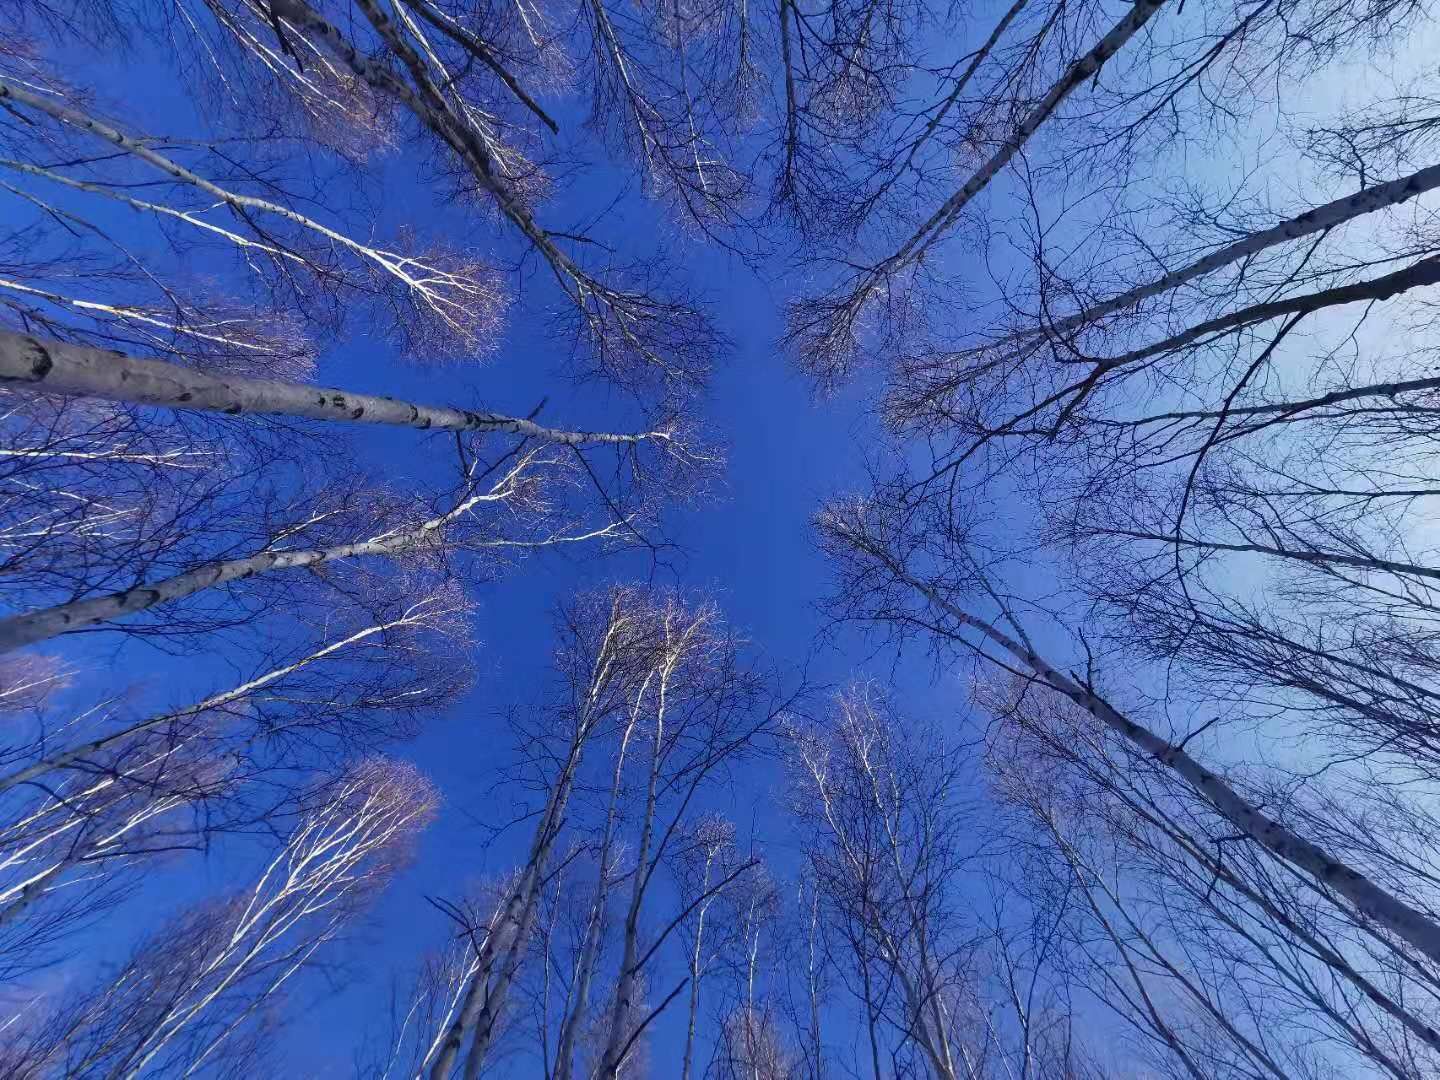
x,y
1200,924
420,1018
654,704
605,653
90,801
185,998
701,861
876,577
495,488
885,822
1359,881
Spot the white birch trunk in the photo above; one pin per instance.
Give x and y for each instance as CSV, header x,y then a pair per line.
x,y
59,368
514,914
695,966
215,701
589,952
502,938
1084,68
1425,272
1318,219
18,631
615,1042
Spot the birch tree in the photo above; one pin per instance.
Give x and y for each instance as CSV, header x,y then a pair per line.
x,y
884,579
603,657
1177,450
702,861
92,802
1203,924
629,328
496,489
1217,387
886,831
1063,100
184,1001
655,702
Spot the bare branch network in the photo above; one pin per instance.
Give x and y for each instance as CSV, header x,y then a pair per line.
x,y
1139,297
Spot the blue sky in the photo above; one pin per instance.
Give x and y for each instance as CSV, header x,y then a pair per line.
x,y
750,544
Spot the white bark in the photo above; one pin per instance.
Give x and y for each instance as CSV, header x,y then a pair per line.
x,y
1424,272
1318,219
629,982
28,846
907,956
60,368
445,295
331,855
616,1043
590,948
18,631
696,966
413,616
480,1009
1084,68
430,108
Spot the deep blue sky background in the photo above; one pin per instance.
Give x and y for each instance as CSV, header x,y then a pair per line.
x,y
750,543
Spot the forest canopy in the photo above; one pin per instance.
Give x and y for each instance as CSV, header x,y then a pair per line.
x,y
820,539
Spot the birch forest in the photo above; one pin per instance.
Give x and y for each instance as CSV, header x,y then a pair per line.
x,y
720,539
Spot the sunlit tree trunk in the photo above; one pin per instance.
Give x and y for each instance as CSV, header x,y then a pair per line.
x,y
21,630
504,940
61,368
183,995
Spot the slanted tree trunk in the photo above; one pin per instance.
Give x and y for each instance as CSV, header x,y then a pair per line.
x,y
595,917
21,630
696,959
88,749
482,1004
60,368
1317,219
1370,900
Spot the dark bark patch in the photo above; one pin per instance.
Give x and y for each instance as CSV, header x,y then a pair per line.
x,y
42,364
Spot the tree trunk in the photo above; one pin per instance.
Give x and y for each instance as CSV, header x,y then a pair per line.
x,y
1088,66
21,630
1368,898
1425,272
695,965
1315,220
516,913
585,968
615,1043
60,368
215,701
